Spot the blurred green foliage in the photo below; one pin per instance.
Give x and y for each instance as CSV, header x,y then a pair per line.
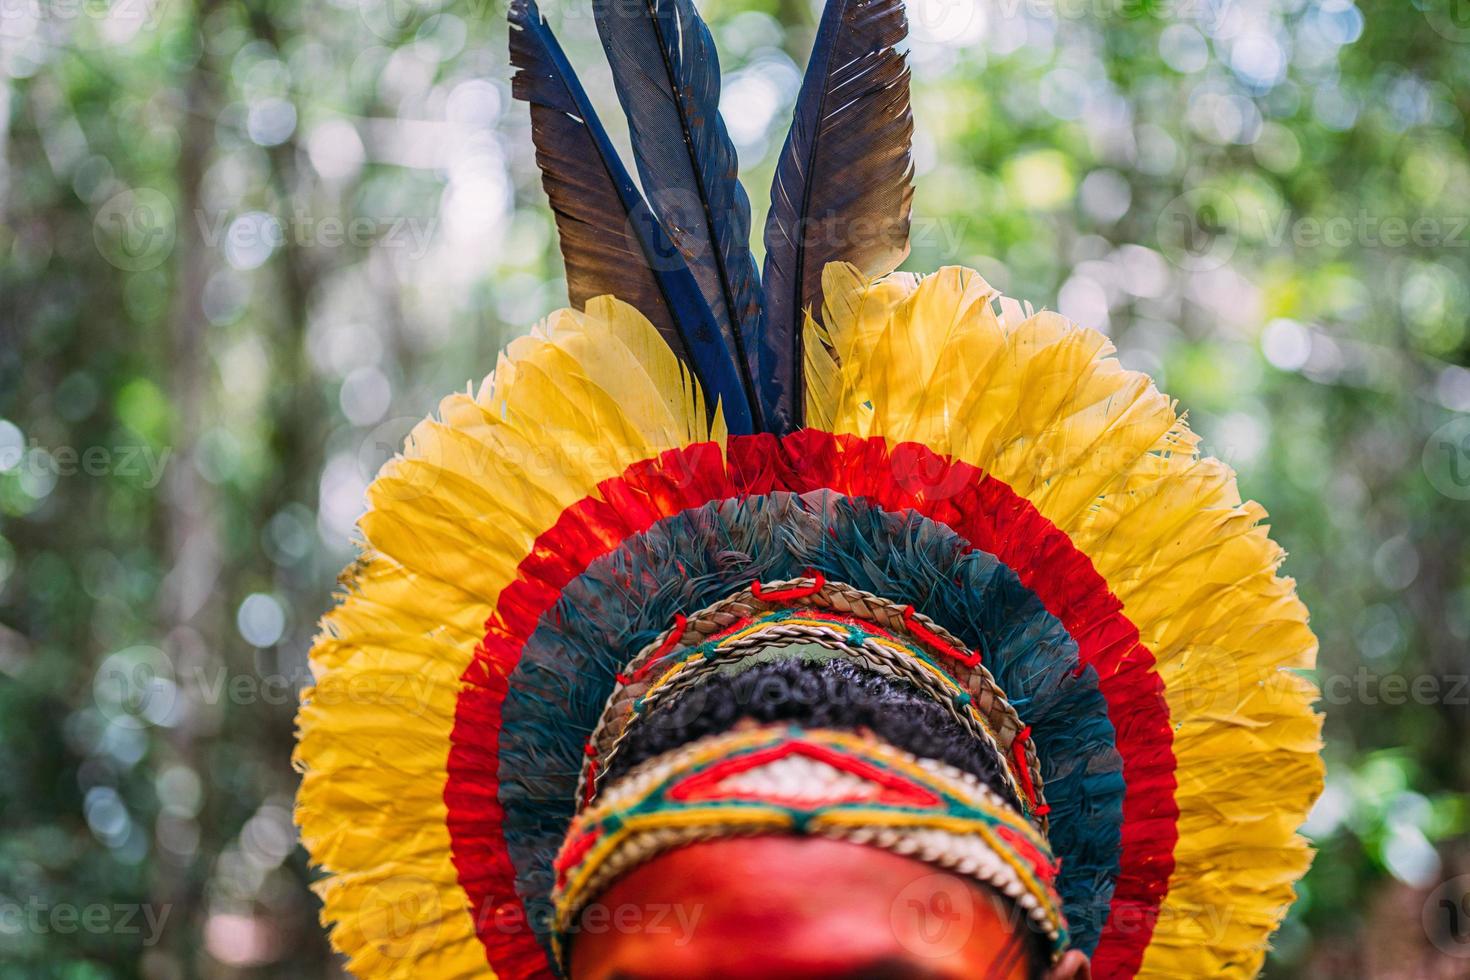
x,y
246,244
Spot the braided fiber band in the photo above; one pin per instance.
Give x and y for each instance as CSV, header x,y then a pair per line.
x,y
779,779
856,641
867,630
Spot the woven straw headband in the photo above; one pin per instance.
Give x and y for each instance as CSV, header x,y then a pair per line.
x,y
780,779
871,632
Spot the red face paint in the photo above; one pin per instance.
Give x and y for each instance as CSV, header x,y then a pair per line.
x,y
797,908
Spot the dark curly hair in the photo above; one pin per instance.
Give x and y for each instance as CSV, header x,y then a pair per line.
x,y
829,693
825,694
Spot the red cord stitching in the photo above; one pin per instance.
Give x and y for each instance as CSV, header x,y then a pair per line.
x,y
970,658
1023,769
681,622
819,582
574,853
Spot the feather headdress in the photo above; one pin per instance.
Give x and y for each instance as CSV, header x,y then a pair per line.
x,y
1029,531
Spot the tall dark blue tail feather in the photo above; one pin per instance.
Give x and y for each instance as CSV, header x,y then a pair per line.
x,y
842,190
667,75
610,240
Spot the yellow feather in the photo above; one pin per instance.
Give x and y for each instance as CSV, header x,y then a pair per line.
x,y
576,402
1028,397
823,375
1041,404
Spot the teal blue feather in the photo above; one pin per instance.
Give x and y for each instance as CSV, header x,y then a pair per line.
x,y
686,562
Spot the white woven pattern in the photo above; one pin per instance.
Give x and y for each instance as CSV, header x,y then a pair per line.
x,y
840,804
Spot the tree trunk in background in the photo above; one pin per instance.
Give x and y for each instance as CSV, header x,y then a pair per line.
x,y
188,606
